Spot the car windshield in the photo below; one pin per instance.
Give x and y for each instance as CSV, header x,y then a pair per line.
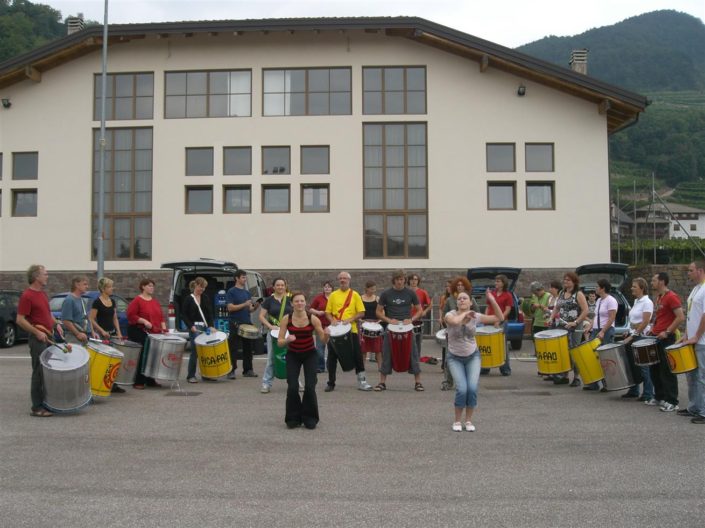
x,y
55,303
589,280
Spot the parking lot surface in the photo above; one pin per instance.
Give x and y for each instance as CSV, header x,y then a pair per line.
x,y
542,455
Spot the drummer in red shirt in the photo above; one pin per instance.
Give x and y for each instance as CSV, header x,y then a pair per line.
x,y
505,301
144,316
413,281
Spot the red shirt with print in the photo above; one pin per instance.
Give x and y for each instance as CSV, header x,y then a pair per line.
x,y
665,305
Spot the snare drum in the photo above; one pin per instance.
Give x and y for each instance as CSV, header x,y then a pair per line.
x,y
66,376
213,354
492,346
248,331
278,354
552,355
401,338
613,359
587,361
645,352
442,337
131,357
681,358
164,354
341,339
371,335
105,363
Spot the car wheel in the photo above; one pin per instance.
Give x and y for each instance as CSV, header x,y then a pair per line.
x,y
9,336
516,344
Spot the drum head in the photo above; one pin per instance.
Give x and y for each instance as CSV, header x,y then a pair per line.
x,y
104,349
372,327
644,343
488,330
166,337
340,329
210,339
441,334
125,343
551,334
274,332
610,346
55,359
400,328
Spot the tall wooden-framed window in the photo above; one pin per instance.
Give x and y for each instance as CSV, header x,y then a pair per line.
x,y
395,190
127,96
128,193
394,90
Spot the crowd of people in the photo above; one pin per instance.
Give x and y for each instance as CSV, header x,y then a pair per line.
x,y
342,326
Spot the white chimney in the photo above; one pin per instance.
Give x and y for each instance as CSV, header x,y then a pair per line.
x,y
578,60
74,24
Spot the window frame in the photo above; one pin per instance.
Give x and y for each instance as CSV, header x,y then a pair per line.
x,y
193,149
237,148
306,93
111,96
264,148
404,91
15,156
227,188
273,186
541,183
497,144
208,94
187,189
301,158
502,183
542,144
15,193
304,187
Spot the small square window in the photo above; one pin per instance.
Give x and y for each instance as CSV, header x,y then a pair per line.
x,y
315,160
539,157
314,198
199,200
237,161
500,157
199,161
275,199
276,160
539,196
25,165
501,195
676,227
693,227
237,199
24,202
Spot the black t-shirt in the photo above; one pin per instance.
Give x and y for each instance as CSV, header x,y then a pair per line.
x,y
105,315
397,303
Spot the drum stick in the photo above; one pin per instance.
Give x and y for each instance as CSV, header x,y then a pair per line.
x,y
64,347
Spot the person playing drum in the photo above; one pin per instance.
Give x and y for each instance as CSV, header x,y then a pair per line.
x,y
103,317
602,326
318,308
413,281
464,356
240,306
395,306
274,308
569,311
74,315
33,311
695,335
505,301
372,348
197,315
345,306
639,326
144,316
296,331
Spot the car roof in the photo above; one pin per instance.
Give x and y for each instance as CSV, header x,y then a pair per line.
x,y
491,272
198,264
614,271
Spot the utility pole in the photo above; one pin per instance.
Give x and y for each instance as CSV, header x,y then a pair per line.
x,y
101,184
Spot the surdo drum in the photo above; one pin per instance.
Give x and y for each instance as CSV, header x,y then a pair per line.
x,y
130,361
492,346
163,356
552,355
105,364
401,338
613,359
66,376
341,337
681,358
587,361
213,354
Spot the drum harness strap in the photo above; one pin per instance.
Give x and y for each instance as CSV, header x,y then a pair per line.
x,y
345,305
203,317
281,311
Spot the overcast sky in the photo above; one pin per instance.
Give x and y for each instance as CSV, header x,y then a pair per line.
x,y
507,22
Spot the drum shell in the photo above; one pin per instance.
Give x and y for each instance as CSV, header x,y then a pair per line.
x,y
130,361
552,355
371,331
104,366
492,346
613,359
344,349
645,352
164,355
278,355
66,389
587,361
248,331
213,354
401,344
681,358
442,337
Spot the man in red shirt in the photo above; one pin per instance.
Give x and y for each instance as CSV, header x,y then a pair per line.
x,y
669,316
505,301
33,309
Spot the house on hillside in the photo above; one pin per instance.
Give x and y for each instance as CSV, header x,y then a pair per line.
x,y
336,143
673,220
622,225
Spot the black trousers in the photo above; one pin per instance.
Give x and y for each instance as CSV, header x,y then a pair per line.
x,y
665,382
36,347
136,334
332,362
234,342
301,409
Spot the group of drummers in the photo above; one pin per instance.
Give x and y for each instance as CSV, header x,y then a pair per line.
x,y
86,356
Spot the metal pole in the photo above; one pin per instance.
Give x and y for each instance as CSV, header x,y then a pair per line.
x,y
636,224
653,201
101,176
619,238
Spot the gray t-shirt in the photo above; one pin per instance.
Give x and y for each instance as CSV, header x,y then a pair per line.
x,y
74,310
461,338
397,303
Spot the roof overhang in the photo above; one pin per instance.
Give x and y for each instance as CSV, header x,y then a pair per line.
x,y
620,107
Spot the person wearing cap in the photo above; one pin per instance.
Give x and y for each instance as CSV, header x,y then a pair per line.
x,y
540,309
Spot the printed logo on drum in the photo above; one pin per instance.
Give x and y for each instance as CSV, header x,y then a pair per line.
x,y
547,356
130,364
671,361
170,360
485,350
110,374
609,366
212,361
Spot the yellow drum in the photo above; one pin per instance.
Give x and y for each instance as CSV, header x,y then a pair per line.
x,y
492,346
552,355
587,361
104,364
213,354
681,358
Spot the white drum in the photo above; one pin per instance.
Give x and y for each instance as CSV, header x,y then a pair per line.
x,y
340,329
371,329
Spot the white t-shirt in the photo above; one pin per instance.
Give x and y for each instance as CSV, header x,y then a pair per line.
x,y
696,309
602,310
636,314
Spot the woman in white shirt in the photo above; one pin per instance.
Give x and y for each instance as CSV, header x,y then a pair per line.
x,y
639,325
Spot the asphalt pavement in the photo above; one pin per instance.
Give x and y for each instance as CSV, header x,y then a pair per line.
x,y
542,455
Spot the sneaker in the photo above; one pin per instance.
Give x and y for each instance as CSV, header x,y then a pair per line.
x,y
329,388
231,374
700,420
192,380
117,388
643,399
632,395
575,383
249,374
457,427
561,381
469,427
362,383
265,389
669,407
653,402
685,412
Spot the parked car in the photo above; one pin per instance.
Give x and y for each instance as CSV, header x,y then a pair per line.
x,y
616,273
483,278
120,303
218,273
10,333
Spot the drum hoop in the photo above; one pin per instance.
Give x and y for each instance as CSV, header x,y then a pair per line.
x,y
400,329
345,328
645,343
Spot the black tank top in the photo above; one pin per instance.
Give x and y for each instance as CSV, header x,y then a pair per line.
x,y
370,309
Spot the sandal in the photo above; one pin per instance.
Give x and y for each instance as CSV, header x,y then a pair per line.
x,y
41,413
418,387
380,387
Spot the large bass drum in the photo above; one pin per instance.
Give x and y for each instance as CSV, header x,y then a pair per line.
x,y
164,354
67,384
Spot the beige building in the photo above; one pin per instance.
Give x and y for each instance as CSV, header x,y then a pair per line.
x,y
362,143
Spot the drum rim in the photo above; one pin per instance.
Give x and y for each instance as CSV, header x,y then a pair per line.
x,y
401,328
75,349
112,352
649,341
553,333
221,335
488,330
375,326
345,328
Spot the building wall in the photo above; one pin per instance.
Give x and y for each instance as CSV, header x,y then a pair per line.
x,y
699,230
465,110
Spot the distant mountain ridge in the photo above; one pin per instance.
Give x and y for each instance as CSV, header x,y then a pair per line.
x,y
657,51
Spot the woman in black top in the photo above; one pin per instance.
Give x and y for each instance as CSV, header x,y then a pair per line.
x,y
103,317
197,315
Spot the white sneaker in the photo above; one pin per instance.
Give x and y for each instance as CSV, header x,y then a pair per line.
x,y
469,427
654,401
669,407
457,427
362,383
265,389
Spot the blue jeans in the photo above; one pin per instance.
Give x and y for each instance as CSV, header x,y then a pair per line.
x,y
321,351
696,383
466,375
648,389
268,375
